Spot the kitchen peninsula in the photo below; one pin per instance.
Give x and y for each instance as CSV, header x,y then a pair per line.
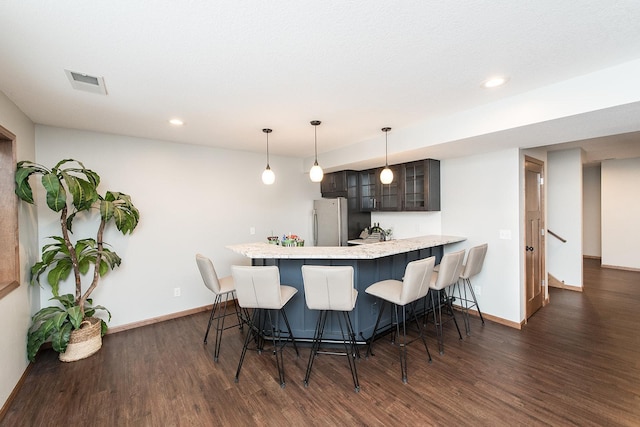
x,y
371,263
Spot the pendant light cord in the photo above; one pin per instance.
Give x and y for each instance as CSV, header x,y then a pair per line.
x,y
315,124
386,145
267,131
315,143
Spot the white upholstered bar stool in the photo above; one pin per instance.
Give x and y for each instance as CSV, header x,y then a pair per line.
x,y
330,290
448,272
259,288
401,294
224,291
466,294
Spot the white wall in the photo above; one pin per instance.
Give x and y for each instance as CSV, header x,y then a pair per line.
x,y
480,197
191,199
409,224
564,215
17,307
621,213
591,211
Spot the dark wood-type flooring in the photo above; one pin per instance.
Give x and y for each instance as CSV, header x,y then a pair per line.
x,y
577,362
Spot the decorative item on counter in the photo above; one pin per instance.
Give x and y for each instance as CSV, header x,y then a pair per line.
x,y
388,234
376,232
365,233
292,240
273,240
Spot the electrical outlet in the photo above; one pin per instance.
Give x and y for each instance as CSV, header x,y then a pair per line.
x,y
252,230
176,292
505,234
374,309
477,290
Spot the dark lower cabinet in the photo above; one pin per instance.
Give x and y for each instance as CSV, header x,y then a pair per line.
x,y
366,272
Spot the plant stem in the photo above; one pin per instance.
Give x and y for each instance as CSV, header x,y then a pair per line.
x,y
72,252
96,266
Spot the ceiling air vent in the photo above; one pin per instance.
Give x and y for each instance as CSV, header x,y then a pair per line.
x,y
85,82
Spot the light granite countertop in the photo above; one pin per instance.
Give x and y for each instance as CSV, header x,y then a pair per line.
x,y
368,251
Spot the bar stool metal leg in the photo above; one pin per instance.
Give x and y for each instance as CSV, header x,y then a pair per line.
x,y
350,350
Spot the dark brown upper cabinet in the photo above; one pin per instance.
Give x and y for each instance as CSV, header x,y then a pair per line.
x,y
334,184
415,187
390,195
421,185
368,190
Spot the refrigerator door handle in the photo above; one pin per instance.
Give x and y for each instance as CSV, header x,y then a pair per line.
x,y
315,228
339,224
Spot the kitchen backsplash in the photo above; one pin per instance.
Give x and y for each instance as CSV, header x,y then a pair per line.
x,y
409,224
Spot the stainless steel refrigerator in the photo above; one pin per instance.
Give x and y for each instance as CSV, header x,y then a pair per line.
x,y
330,222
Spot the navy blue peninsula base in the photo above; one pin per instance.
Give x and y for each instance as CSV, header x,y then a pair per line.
x,y
371,263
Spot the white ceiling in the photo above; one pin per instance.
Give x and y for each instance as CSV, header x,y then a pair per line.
x,y
229,68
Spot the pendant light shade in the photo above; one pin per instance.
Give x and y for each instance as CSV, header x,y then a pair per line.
x,y
316,172
386,176
268,177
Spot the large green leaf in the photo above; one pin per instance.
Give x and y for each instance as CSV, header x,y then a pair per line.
x,y
106,209
74,187
36,270
103,326
42,330
111,258
56,194
67,300
63,161
75,316
99,307
50,252
119,207
61,245
35,339
83,191
104,268
92,176
45,313
60,272
89,195
60,338
23,188
59,319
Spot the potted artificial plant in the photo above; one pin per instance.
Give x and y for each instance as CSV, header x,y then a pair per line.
x,y
72,192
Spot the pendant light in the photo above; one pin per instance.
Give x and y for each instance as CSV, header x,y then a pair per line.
x,y
386,176
316,172
268,177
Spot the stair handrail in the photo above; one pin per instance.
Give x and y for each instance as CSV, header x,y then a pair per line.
x,y
556,236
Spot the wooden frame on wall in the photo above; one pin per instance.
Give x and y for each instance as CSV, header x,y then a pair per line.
x,y
9,238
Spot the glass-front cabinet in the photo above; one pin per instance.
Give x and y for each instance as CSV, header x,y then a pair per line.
x,y
421,183
389,195
368,190
415,187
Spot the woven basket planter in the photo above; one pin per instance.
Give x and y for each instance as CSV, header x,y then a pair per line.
x,y
84,341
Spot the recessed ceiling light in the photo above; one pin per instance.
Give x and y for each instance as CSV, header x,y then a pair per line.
x,y
176,122
495,82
